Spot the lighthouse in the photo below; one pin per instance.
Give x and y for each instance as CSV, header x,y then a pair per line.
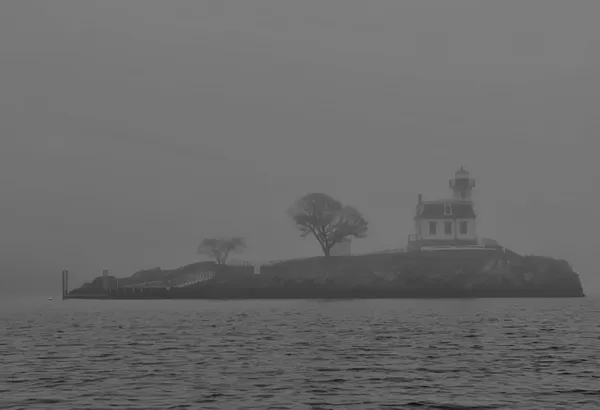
x,y
449,222
462,185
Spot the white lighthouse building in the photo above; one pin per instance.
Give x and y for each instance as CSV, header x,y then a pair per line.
x,y
447,222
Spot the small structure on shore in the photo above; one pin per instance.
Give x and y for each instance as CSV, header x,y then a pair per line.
x,y
449,222
105,280
342,248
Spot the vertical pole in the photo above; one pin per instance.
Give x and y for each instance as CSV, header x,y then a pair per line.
x,y
63,284
105,285
66,281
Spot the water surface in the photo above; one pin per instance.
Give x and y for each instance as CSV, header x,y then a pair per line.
x,y
294,354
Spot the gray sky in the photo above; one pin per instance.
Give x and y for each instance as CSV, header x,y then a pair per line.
x,y
132,129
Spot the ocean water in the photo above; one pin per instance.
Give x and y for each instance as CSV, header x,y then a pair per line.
x,y
295,354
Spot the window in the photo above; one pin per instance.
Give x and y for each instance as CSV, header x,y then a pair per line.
x,y
432,228
463,227
447,209
448,228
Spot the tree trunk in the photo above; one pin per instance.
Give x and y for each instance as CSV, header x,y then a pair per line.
x,y
324,247
322,243
225,256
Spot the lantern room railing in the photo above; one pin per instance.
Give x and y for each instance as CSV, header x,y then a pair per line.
x,y
462,183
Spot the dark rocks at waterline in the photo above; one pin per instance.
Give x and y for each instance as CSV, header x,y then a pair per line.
x,y
465,273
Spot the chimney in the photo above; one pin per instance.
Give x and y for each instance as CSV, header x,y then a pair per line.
x,y
420,198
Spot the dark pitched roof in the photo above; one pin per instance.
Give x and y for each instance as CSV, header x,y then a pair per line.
x,y
459,210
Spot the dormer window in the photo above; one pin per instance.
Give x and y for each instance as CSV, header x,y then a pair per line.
x,y
447,209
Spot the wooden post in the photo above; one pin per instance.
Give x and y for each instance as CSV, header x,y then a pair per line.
x,y
65,283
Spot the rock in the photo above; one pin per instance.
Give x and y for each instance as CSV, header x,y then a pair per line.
x,y
440,272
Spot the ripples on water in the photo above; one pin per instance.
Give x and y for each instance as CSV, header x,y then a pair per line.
x,y
373,354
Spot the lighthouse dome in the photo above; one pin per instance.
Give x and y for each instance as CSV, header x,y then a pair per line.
x,y
461,173
461,185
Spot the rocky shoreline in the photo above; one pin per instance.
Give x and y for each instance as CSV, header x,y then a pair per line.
x,y
242,294
486,273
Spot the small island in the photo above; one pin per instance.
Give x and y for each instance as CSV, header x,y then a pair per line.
x,y
443,258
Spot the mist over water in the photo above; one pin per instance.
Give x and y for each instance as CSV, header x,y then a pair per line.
x,y
442,354
130,130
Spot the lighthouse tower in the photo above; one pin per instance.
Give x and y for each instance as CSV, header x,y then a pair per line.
x,y
449,222
462,185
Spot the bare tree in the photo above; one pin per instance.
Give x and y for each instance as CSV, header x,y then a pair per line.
x,y
327,219
220,248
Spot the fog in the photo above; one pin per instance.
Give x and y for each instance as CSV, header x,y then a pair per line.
x,y
130,130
